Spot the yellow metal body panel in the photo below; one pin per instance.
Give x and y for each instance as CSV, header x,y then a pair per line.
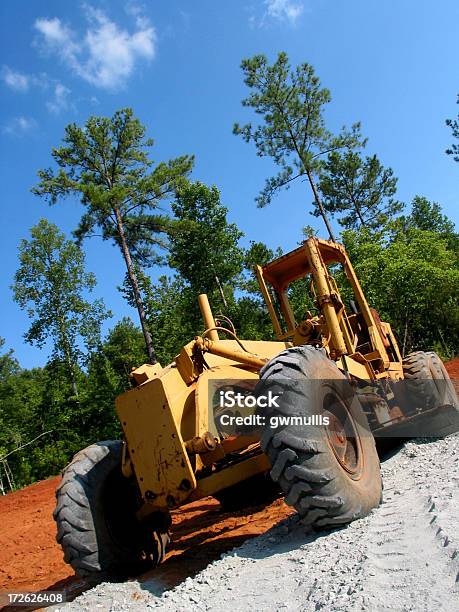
x,y
231,475
155,444
165,411
269,302
355,368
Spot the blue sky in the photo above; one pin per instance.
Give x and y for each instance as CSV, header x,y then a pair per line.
x,y
391,65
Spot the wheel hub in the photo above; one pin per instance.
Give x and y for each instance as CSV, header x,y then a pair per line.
x,y
342,435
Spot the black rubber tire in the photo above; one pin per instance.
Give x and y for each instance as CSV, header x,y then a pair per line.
x,y
447,391
255,491
427,382
303,462
95,517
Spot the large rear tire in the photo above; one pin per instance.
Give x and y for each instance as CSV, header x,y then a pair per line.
x,y
96,521
428,384
448,393
330,474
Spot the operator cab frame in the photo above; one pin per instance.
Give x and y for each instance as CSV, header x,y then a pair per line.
x,y
360,335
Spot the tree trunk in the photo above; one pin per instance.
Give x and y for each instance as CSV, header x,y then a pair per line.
x,y
222,293
135,288
70,365
219,285
357,210
67,351
320,205
72,378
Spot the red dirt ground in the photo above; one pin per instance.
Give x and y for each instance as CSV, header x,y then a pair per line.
x,y
30,558
453,371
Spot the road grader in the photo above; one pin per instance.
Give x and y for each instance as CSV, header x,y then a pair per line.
x,y
310,406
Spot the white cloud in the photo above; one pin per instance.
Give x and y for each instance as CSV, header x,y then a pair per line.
x,y
60,101
284,9
24,82
107,54
15,80
21,82
133,8
279,10
56,34
19,126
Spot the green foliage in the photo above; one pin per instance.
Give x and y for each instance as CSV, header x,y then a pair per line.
x,y
361,191
292,129
428,216
9,365
124,348
39,403
174,314
205,251
412,279
106,164
35,403
249,313
257,254
49,284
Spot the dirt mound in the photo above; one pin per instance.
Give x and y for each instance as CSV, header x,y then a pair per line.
x,y
30,559
453,371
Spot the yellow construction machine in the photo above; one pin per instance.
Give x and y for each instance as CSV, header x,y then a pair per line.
x,y
243,420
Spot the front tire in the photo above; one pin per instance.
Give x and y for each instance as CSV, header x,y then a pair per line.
x,y
330,474
96,518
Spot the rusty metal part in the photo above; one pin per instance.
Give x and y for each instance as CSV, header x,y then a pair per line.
x,y
201,444
236,443
343,437
309,331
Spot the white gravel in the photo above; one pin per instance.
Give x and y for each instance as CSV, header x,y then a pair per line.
x,y
404,556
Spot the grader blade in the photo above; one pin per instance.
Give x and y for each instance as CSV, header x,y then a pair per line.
x,y
435,423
